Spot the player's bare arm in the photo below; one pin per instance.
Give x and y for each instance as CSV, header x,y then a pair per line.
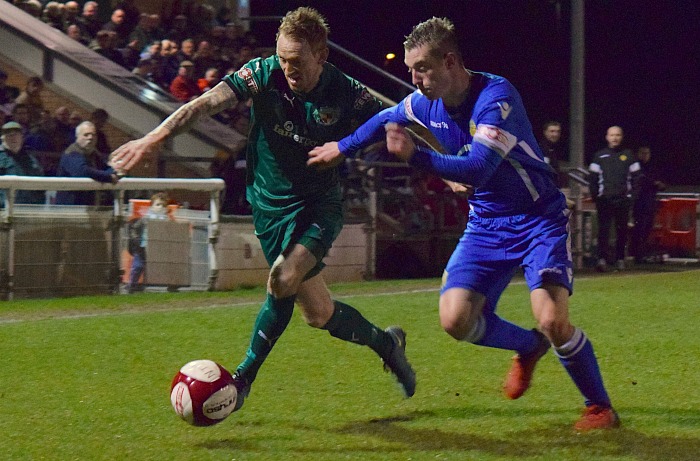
x,y
127,156
399,142
325,156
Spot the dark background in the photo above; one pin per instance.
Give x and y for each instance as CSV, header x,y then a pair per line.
x,y
641,64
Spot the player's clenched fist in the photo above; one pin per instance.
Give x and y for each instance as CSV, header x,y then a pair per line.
x,y
399,142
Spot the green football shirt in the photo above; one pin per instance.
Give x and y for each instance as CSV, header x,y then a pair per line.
x,y
286,125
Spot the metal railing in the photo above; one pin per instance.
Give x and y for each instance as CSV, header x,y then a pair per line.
x,y
37,236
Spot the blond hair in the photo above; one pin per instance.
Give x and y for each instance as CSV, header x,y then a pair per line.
x,y
436,33
305,23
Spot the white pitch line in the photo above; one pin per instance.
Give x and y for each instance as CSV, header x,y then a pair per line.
x,y
229,305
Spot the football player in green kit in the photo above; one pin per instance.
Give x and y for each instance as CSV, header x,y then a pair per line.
x,y
299,101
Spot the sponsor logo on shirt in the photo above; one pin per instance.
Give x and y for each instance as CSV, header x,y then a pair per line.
x,y
439,124
361,100
304,141
245,74
505,109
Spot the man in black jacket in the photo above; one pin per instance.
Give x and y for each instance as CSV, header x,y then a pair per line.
x,y
614,172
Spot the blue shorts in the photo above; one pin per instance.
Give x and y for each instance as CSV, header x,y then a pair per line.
x,y
492,249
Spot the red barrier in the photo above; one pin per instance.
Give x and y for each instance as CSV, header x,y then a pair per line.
x,y
675,227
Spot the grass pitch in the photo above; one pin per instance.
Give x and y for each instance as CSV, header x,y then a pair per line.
x,y
88,379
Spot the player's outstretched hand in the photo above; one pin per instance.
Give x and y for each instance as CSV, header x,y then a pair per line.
x,y
325,156
399,142
127,156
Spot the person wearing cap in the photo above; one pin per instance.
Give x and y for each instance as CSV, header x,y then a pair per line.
x,y
81,160
17,159
184,87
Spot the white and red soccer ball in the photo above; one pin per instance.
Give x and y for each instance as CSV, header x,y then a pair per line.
x,y
203,393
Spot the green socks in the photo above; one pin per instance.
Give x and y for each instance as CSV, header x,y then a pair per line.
x,y
348,324
273,318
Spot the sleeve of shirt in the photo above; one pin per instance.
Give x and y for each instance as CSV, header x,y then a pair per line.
x,y
498,117
248,81
373,130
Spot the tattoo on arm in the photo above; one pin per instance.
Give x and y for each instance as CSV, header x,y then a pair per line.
x,y
213,101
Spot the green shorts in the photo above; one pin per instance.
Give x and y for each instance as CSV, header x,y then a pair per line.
x,y
313,225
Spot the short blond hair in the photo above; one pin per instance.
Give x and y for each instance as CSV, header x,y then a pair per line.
x,y
305,23
438,34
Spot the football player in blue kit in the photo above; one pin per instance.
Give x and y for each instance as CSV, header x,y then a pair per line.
x,y
518,216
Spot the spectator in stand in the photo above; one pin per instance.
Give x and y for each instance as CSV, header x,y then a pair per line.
x,y
204,58
74,32
187,50
142,32
169,64
131,14
8,93
75,119
201,19
71,10
554,151
118,25
245,54
99,118
232,169
79,161
53,15
233,37
179,30
146,69
210,79
106,45
184,87
62,132
644,207
131,54
40,141
153,51
22,115
32,7
31,97
89,21
613,174
17,159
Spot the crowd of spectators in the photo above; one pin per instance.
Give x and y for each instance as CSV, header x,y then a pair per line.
x,y
185,51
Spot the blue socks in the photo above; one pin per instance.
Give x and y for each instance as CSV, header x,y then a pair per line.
x,y
580,362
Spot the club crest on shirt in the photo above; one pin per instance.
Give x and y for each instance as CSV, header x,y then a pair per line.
x,y
326,115
472,128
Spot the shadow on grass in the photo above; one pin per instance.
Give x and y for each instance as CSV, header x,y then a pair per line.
x,y
538,441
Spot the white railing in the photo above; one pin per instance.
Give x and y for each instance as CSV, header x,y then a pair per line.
x,y
9,213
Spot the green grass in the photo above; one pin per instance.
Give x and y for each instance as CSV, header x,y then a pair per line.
x,y
88,379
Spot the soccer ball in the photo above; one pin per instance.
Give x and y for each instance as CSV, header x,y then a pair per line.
x,y
203,393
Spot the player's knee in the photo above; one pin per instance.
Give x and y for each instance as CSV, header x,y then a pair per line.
x,y
457,326
281,283
316,315
459,317
556,330
315,319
